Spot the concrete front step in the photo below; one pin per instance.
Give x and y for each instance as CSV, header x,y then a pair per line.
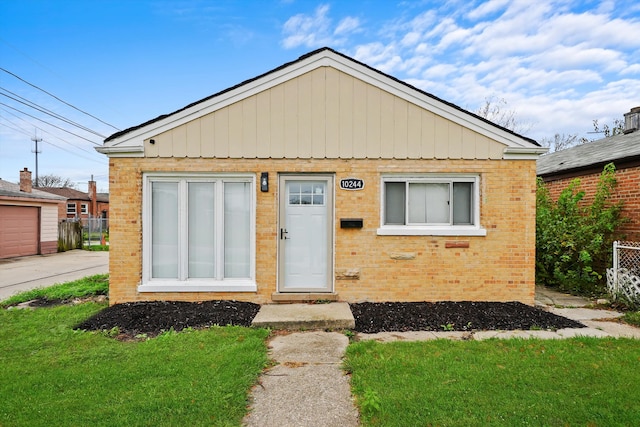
x,y
335,315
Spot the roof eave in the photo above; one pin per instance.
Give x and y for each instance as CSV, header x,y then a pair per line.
x,y
523,153
122,151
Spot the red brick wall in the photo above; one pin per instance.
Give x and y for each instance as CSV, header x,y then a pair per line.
x,y
627,190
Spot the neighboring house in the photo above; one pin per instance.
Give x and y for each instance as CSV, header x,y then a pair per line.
x,y
321,179
79,204
586,162
28,219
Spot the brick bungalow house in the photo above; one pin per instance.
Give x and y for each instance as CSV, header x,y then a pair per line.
x,y
321,179
586,162
79,204
28,219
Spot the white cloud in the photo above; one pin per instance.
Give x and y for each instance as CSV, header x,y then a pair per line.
x,y
315,30
487,8
347,25
306,30
558,63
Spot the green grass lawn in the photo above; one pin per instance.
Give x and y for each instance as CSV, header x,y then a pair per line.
x,y
576,382
52,375
87,286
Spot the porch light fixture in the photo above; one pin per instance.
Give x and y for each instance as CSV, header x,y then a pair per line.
x,y
264,182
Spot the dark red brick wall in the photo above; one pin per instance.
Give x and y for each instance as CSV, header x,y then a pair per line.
x,y
627,190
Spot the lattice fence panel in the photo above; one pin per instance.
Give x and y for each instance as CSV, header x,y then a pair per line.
x,y
623,280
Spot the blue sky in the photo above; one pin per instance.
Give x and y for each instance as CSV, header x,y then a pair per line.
x,y
558,64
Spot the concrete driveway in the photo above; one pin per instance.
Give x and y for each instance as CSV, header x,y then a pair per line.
x,y
39,271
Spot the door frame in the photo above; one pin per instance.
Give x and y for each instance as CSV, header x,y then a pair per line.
x,y
282,204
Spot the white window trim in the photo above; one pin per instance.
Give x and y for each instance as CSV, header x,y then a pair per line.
x,y
149,284
84,208
71,212
432,230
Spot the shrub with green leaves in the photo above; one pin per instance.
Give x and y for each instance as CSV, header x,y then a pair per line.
x,y
574,239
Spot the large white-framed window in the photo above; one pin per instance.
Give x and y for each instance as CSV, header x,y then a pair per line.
x,y
71,208
84,208
430,204
198,232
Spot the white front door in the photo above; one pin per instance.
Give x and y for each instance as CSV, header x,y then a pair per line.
x,y
306,233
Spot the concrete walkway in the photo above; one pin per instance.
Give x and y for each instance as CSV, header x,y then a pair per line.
x,y
307,387
39,271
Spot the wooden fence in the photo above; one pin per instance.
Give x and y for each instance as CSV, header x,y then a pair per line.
x,y
69,236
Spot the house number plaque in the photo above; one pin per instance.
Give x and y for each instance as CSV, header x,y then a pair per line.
x,y
351,184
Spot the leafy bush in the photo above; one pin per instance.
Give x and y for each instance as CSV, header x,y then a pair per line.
x,y
574,239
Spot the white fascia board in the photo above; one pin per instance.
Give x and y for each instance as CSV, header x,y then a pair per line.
x,y
523,153
122,150
324,58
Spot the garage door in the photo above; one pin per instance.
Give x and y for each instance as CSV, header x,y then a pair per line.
x,y
19,231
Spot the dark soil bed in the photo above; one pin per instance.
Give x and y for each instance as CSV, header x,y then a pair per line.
x,y
151,318
454,316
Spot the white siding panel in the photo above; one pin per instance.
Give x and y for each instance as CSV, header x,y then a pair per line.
x,y
373,122
49,223
387,126
221,129
414,132
359,119
332,113
400,122
455,141
207,135
428,140
164,141
249,127
263,130
345,124
193,138
318,113
277,122
304,116
179,141
234,142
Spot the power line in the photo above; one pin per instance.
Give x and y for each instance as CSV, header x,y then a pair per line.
x,y
49,133
52,95
44,110
50,124
75,153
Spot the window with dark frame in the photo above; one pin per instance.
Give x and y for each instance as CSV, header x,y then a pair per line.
x,y
429,201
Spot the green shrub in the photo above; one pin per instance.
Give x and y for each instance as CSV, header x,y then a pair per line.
x,y
574,239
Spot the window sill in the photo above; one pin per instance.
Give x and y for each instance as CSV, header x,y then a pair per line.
x,y
430,231
199,286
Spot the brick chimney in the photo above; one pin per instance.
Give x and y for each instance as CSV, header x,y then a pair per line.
x,y
632,120
93,206
25,181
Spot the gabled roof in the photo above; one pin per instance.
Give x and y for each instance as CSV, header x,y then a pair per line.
x,y
129,142
9,189
596,154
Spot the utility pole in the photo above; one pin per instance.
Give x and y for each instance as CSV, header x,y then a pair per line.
x,y
36,151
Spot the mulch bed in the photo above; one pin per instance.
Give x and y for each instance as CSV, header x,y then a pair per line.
x,y
152,318
454,316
